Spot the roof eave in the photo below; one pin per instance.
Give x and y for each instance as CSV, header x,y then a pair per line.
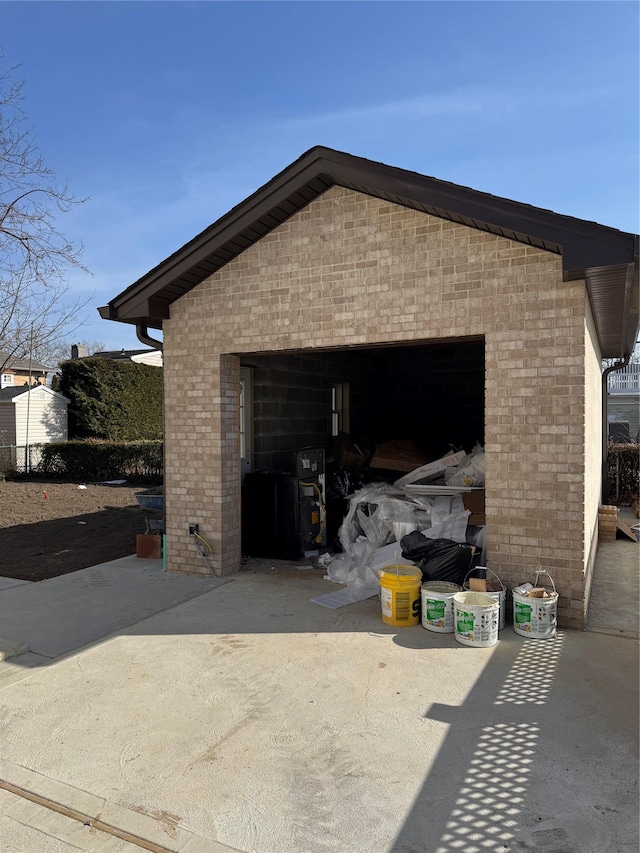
x,y
614,297
586,247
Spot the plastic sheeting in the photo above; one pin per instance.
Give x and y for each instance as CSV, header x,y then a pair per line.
x,y
381,514
470,471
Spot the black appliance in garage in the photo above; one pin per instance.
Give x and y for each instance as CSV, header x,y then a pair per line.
x,y
284,511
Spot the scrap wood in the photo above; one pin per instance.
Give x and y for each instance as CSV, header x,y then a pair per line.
x,y
538,592
624,528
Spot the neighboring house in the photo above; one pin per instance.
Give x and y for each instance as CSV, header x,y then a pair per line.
x,y
623,404
449,315
147,356
141,356
35,415
21,371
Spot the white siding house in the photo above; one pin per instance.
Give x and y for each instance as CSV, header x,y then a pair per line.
x,y
152,357
34,415
624,398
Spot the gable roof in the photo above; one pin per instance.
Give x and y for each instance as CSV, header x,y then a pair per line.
x,y
9,394
605,257
22,364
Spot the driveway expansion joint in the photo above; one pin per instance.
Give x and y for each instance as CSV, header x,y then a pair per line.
x,y
132,826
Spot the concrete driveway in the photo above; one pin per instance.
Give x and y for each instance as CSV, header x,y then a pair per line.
x,y
249,718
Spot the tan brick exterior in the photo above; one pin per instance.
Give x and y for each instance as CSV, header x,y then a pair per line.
x,y
353,270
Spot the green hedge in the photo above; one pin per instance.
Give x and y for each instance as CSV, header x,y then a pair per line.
x,y
623,470
112,400
94,461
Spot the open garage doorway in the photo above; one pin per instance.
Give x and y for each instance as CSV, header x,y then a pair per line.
x,y
320,417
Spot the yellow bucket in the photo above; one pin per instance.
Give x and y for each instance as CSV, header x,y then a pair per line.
x,y
400,595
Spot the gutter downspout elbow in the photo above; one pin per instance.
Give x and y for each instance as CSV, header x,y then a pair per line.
x,y
143,337
604,488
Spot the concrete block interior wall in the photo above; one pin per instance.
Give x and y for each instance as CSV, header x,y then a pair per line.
x,y
431,394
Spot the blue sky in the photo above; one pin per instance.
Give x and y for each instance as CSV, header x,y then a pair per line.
x,y
166,114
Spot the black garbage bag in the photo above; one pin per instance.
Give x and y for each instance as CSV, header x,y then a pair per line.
x,y
438,559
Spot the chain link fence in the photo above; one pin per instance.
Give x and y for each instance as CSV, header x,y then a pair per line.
x,y
19,459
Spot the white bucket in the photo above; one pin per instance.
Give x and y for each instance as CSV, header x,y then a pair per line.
x,y
437,605
475,619
536,617
499,595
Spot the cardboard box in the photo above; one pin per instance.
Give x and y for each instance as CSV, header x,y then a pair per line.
x,y
474,501
623,527
398,455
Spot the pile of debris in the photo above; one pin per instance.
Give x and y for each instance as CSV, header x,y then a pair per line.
x,y
432,517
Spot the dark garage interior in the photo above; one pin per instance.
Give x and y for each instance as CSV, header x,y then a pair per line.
x,y
430,395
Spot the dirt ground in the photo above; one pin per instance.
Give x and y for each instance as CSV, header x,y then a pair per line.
x,y
50,529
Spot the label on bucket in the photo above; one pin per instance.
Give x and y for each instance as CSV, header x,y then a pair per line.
x,y
465,622
538,619
436,611
477,628
403,606
386,596
522,616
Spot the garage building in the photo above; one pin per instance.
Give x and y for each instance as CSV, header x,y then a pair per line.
x,y
353,295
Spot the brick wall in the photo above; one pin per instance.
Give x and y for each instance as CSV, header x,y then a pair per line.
x,y
350,270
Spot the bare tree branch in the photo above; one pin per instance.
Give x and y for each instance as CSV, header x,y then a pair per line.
x,y
36,308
